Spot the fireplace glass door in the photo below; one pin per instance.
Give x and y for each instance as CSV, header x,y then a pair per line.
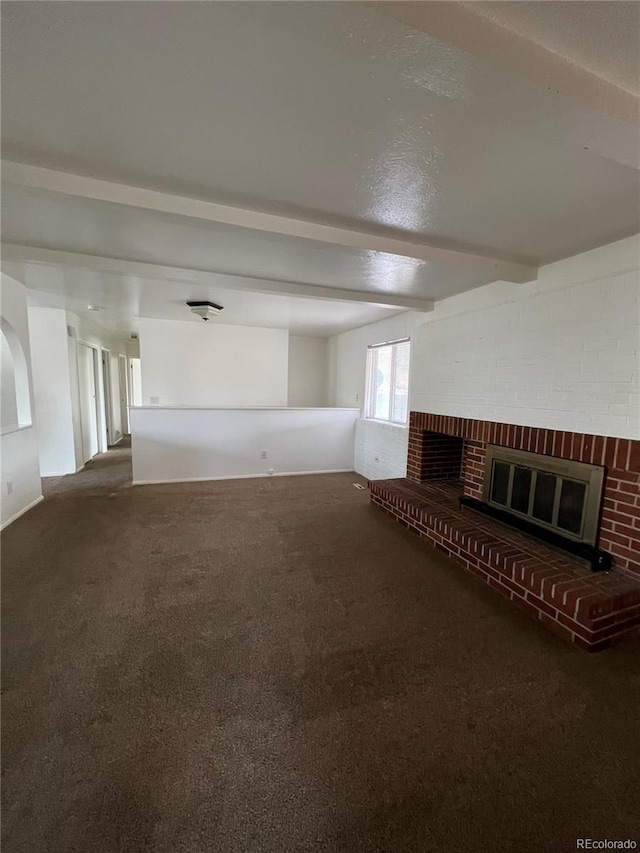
x,y
554,493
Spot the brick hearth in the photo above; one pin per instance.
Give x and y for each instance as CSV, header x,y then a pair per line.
x,y
446,459
589,609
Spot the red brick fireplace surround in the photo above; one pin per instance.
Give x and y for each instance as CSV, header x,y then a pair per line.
x,y
446,460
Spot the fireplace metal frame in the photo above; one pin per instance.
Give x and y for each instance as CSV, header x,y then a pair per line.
x,y
592,476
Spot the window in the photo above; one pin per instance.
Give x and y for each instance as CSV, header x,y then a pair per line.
x,y
387,390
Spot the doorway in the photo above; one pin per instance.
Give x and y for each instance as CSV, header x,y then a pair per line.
x,y
135,386
88,385
124,393
106,396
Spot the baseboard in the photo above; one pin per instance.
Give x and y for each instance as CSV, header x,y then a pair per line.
x,y
64,473
22,512
243,477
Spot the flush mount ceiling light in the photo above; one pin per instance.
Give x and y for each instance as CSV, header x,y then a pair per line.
x,y
205,310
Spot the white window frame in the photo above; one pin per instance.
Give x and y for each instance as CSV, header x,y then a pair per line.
x,y
369,382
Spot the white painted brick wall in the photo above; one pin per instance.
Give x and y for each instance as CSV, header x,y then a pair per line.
x,y
561,353
381,450
348,353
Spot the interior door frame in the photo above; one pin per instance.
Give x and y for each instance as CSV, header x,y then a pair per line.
x,y
105,368
100,439
132,386
123,388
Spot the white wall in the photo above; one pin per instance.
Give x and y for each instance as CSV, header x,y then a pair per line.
x,y
20,474
52,390
308,371
562,352
351,353
182,444
8,399
559,353
381,449
197,363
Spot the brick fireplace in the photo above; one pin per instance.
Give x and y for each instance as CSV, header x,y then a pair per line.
x,y
446,459
435,436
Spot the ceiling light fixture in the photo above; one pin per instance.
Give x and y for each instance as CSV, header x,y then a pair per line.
x,y
205,310
93,307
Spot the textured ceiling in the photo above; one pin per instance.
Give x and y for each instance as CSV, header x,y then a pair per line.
x,y
601,37
326,112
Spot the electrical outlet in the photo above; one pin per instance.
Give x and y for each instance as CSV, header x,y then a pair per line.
x,y
263,454
155,401
357,397
9,487
270,470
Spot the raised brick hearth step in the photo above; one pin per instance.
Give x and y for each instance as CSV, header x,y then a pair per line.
x,y
589,609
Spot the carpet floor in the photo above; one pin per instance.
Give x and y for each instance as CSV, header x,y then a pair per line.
x,y
272,665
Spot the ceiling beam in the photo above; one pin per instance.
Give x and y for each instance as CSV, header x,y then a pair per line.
x,y
22,255
66,183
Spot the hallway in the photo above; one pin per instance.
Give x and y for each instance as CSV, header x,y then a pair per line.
x,y
104,471
259,666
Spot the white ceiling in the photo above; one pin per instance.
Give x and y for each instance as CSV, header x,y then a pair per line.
x,y
592,34
122,299
325,113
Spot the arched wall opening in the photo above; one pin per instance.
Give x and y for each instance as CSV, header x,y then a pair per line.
x,y
15,405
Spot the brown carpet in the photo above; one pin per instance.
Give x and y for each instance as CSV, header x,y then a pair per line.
x,y
273,665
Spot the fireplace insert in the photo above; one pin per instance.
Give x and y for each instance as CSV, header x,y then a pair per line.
x,y
555,494
552,499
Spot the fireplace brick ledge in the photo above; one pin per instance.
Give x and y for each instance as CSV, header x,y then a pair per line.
x,y
590,610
